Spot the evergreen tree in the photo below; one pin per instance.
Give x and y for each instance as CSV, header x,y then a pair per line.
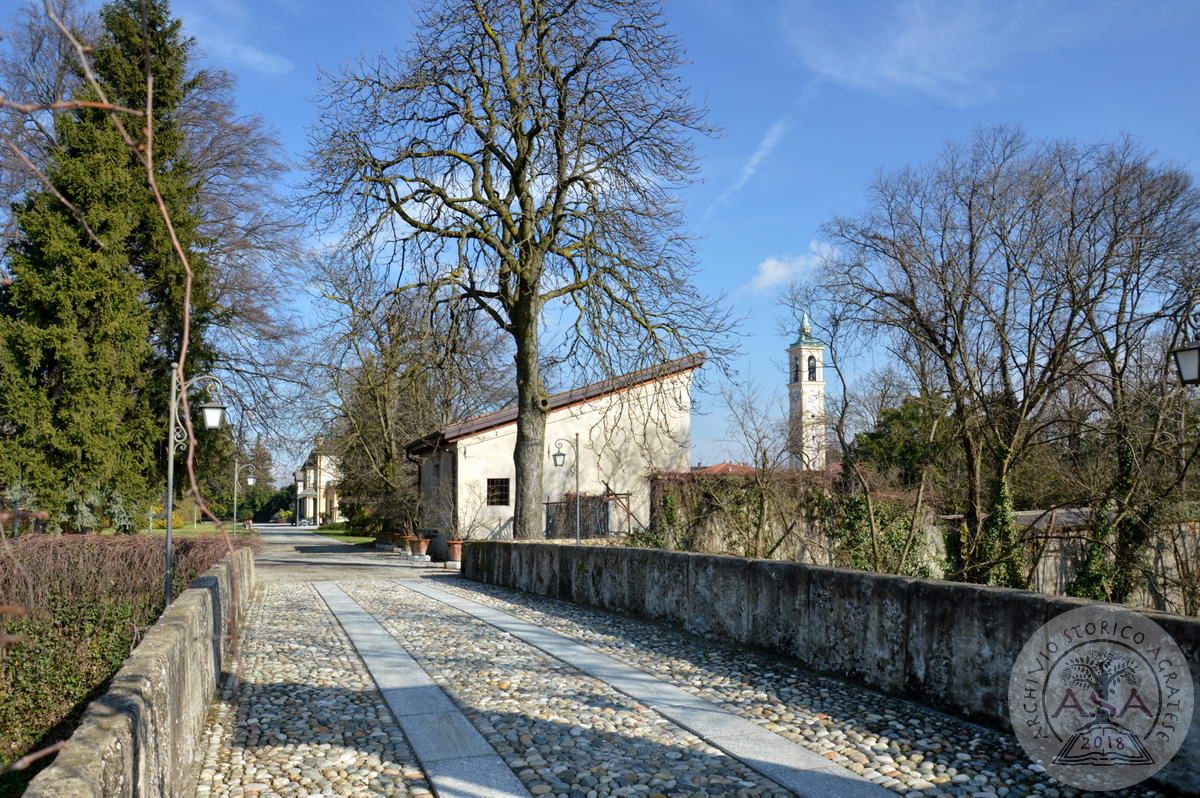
x,y
87,332
73,335
134,31
120,63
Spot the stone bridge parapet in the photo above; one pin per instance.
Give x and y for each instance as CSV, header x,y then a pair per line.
x,y
948,645
140,738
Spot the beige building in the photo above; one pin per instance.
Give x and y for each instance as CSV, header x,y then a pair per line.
x,y
317,487
627,429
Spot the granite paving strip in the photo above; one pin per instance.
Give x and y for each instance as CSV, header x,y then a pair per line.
x,y
911,749
562,732
459,762
306,719
779,759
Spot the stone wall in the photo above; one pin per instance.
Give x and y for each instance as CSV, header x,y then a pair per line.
x,y
944,644
140,738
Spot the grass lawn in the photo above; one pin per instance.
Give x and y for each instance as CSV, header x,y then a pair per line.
x,y
201,530
339,533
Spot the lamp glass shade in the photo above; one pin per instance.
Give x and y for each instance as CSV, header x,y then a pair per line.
x,y
250,480
299,475
1187,360
559,458
212,413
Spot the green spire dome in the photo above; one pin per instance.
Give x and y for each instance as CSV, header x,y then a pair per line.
x,y
805,338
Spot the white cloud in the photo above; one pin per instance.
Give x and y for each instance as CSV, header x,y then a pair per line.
x,y
768,143
949,49
222,27
248,55
775,271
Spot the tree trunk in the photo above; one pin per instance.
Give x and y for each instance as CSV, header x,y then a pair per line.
x,y
962,549
531,427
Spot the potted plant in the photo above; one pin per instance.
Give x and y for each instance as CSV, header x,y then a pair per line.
x,y
454,549
420,546
410,544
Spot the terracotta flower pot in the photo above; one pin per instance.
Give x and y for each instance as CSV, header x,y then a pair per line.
x,y
454,550
410,544
421,545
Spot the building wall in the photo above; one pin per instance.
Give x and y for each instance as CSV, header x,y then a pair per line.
x,y
438,489
623,438
321,474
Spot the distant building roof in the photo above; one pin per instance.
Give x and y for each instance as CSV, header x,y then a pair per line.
x,y
724,468
574,396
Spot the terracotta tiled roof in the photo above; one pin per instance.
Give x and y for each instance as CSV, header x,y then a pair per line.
x,y
574,396
724,468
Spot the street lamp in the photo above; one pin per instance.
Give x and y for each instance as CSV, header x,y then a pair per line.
x,y
237,470
560,458
211,413
1187,361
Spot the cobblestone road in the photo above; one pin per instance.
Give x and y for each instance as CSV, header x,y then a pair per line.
x,y
307,719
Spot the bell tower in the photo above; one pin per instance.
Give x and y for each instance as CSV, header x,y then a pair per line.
x,y
806,401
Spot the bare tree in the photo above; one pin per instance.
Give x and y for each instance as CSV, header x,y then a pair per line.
x,y
1011,268
38,74
252,247
1144,251
530,152
393,367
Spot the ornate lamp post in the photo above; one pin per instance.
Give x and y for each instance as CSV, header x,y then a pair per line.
x,y
1187,361
237,470
560,457
211,412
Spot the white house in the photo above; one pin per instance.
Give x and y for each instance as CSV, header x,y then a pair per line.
x,y
317,499
627,427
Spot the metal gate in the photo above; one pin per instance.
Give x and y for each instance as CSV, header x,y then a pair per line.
x,y
594,517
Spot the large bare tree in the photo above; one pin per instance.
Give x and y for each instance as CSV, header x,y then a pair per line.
x,y
530,150
392,368
1006,265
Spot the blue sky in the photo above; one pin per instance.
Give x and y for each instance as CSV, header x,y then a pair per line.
x,y
813,98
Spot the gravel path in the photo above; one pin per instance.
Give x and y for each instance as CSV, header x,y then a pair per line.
x,y
307,719
561,732
909,749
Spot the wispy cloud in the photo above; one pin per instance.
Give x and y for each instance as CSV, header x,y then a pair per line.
x,y
776,271
223,29
769,141
247,55
952,50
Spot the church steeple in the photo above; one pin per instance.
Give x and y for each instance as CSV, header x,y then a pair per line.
x,y
806,396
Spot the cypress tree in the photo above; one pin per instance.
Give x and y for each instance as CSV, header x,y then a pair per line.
x,y
120,59
74,336
88,330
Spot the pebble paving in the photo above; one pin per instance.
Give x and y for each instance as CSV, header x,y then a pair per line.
x,y
306,718
914,751
563,733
